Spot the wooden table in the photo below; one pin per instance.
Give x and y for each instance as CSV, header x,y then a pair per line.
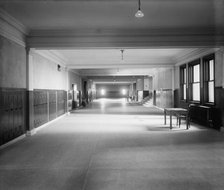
x,y
175,111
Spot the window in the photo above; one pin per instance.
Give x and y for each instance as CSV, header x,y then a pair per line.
x,y
208,79
183,82
197,81
194,81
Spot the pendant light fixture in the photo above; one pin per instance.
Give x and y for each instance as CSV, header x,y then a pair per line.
x,y
139,13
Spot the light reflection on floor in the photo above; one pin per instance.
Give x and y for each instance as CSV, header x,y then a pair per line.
x,y
117,115
106,102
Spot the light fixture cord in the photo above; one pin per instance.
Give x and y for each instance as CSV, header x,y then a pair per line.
x,y
139,4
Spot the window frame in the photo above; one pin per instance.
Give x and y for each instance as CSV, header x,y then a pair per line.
x,y
191,81
206,78
183,81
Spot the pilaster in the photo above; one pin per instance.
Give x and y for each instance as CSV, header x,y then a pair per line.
x,y
30,95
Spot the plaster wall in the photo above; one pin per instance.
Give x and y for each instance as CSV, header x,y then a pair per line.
x,y
12,64
219,62
163,79
46,74
147,83
140,84
176,77
74,78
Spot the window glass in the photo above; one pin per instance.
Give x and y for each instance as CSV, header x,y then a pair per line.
x,y
196,91
185,75
211,69
211,91
196,73
184,92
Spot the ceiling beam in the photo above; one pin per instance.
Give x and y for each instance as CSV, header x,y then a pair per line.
x,y
157,38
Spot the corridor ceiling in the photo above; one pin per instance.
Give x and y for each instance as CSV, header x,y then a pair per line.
x,y
89,34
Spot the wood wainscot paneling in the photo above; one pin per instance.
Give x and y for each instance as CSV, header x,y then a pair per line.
x,y
40,107
52,104
219,99
12,113
48,105
61,102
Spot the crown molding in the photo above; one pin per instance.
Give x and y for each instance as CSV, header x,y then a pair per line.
x,y
14,22
12,29
74,71
50,56
194,55
116,66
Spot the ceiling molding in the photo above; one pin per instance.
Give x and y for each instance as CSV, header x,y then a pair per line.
x,y
74,71
126,72
12,29
50,56
195,55
114,79
14,22
111,66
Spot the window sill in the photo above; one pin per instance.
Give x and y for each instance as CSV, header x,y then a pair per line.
x,y
209,104
195,102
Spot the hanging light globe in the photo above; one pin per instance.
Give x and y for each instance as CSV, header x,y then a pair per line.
x,y
139,14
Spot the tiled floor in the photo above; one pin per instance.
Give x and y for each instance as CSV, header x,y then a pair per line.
x,y
112,145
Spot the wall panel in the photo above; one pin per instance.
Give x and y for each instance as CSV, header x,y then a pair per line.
x,y
219,98
52,104
12,114
40,107
61,102
48,105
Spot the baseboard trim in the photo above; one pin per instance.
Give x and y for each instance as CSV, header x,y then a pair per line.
x,y
12,141
31,132
50,122
159,108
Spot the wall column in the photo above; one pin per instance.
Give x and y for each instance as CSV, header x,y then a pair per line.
x,y
222,52
30,95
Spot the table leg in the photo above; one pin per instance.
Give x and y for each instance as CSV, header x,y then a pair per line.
x,y
170,120
164,117
187,122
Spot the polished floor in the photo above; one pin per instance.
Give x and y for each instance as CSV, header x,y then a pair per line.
x,y
115,145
